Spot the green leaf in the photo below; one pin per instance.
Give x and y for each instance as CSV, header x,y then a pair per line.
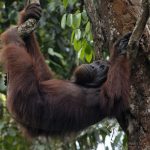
x,y
52,53
72,2
76,21
117,139
72,36
125,141
65,2
63,21
82,50
88,27
70,20
77,45
89,37
89,54
77,34
84,17
81,54
89,57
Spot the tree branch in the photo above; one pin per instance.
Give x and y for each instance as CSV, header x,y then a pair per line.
x,y
96,28
30,25
138,30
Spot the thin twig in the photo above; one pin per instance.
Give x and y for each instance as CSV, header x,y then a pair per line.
x,y
30,25
138,31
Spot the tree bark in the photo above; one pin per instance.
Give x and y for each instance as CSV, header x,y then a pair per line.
x,y
111,19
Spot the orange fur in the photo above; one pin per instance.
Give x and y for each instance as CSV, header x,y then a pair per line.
x,y
45,106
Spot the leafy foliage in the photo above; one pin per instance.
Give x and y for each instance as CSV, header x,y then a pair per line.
x,y
81,37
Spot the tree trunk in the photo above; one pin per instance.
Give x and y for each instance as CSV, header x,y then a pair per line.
x,y
111,19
